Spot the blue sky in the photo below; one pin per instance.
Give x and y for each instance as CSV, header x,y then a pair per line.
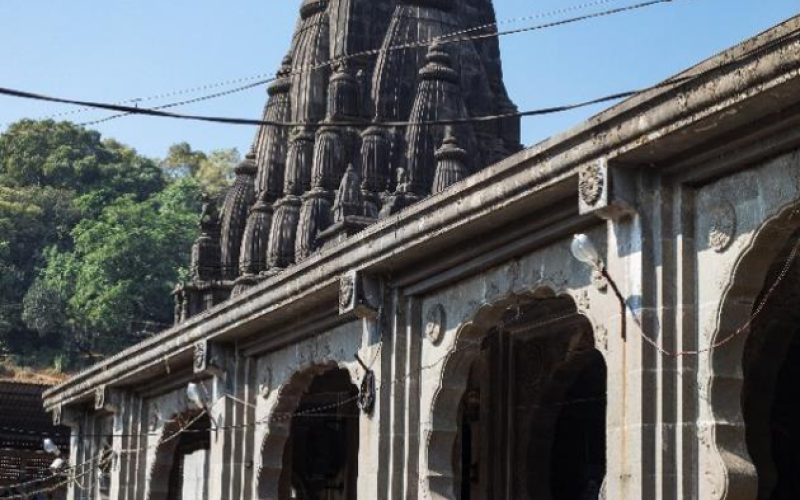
x,y
110,51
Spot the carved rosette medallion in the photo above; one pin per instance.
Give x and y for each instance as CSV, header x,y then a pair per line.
x,y
200,356
435,324
100,398
591,182
347,288
721,226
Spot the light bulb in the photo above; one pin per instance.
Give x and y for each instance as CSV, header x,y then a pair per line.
x,y
584,250
50,447
58,464
193,393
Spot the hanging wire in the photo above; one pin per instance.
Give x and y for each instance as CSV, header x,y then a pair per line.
x,y
158,111
263,79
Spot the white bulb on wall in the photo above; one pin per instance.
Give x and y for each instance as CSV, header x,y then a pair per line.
x,y
50,447
584,250
193,393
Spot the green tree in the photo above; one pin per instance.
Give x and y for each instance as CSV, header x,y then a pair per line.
x,y
30,220
53,175
118,278
215,170
65,156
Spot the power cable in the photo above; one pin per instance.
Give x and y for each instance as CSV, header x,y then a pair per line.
x,y
450,38
265,78
245,121
536,112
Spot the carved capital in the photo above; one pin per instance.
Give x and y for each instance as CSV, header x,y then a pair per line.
x,y
361,294
64,416
606,191
106,399
592,185
200,356
208,358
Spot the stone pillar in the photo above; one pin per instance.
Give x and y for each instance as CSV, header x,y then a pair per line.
x,y
126,427
72,419
365,296
232,413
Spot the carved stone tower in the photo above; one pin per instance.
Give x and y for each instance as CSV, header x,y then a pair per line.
x,y
361,147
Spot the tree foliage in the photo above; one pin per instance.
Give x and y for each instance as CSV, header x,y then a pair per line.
x,y
93,236
215,171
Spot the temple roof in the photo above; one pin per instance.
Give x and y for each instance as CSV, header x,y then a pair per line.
x,y
687,128
356,63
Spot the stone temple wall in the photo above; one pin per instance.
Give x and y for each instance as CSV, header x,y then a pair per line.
x,y
459,350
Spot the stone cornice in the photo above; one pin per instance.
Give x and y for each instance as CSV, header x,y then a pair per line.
x,y
517,186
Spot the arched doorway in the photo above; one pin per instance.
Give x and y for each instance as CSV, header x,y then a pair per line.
x,y
188,479
180,470
531,418
771,385
320,460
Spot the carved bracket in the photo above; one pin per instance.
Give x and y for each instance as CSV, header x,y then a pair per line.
x,y
361,294
209,359
106,400
65,416
609,192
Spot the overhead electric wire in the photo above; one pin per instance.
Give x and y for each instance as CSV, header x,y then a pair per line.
x,y
445,39
266,78
252,122
790,36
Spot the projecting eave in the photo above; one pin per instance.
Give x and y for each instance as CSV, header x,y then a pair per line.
x,y
721,118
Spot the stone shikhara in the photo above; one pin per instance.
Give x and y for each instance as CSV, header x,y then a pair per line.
x,y
441,259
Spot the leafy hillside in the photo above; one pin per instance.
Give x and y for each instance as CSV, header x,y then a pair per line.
x,y
93,237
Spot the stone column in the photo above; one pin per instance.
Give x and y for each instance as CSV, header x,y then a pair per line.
x,y
72,419
232,413
127,409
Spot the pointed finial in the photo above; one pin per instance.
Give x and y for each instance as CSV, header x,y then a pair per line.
x,y
438,63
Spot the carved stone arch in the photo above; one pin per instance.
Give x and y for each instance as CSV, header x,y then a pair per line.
x,y
442,434
279,424
733,475
158,474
